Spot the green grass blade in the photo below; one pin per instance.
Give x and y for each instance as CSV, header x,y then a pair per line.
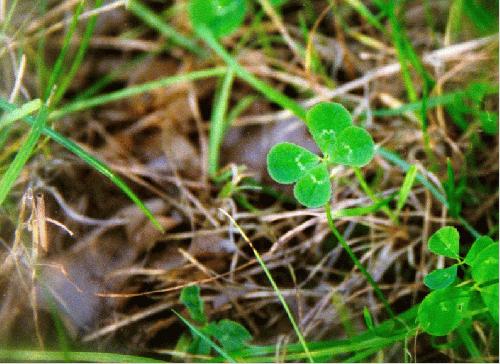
x,y
405,166
218,123
61,58
20,112
75,356
216,347
366,14
91,161
362,210
22,156
154,21
264,88
85,104
356,261
275,288
77,61
406,187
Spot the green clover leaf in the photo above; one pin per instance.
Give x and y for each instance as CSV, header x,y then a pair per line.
x,y
221,17
353,147
314,189
441,278
324,121
287,162
445,242
478,245
442,310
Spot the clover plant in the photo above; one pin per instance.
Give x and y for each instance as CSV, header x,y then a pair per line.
x,y
453,300
340,142
229,334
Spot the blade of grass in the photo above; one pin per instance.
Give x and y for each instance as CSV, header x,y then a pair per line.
x,y
275,287
20,112
77,61
406,188
76,356
85,104
405,166
356,261
216,347
241,72
218,123
61,58
154,21
22,156
366,14
90,160
363,210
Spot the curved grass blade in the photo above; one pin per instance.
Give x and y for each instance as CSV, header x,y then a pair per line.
x,y
90,160
135,90
275,288
76,356
80,53
20,112
23,154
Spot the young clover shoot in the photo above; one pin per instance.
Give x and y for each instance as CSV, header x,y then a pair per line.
x,y
451,300
340,142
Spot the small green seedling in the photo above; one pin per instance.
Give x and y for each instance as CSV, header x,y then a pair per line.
x,y
229,334
452,300
330,125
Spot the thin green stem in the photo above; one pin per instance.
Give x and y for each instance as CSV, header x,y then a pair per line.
x,y
135,90
356,261
272,94
366,188
218,123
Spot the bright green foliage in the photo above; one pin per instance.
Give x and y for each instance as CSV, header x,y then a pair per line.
x,y
353,147
442,310
441,278
288,162
221,17
445,242
229,334
324,121
330,125
314,188
480,243
190,297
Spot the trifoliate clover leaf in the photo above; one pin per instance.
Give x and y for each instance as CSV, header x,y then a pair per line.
x,y
353,147
287,162
314,189
221,17
441,278
476,248
445,242
442,310
325,121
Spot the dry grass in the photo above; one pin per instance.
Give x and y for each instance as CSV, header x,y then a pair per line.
x,y
114,277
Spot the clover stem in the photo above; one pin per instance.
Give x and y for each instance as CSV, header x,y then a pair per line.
x,y
356,261
366,188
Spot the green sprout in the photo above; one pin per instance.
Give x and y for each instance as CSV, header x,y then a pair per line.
x,y
330,125
452,300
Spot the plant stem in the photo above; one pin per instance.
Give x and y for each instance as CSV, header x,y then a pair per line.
x,y
356,261
366,188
